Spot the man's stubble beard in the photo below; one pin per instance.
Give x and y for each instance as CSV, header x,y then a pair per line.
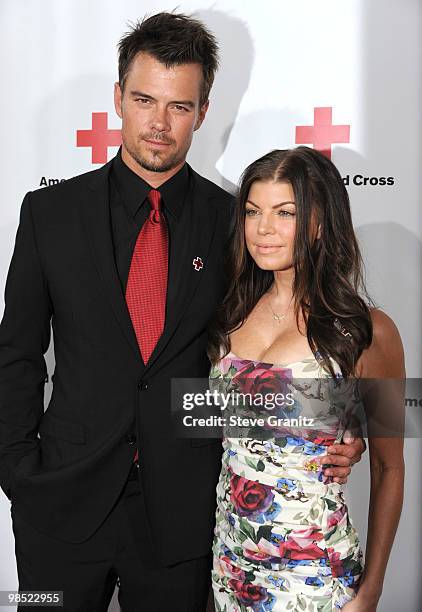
x,y
159,165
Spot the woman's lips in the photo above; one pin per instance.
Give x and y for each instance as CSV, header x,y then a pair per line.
x,y
267,248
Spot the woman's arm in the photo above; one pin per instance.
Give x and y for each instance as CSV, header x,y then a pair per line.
x,y
386,499
383,362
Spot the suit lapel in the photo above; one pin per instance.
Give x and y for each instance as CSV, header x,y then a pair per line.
x,y
96,218
193,239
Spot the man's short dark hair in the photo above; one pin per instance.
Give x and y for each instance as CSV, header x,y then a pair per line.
x,y
173,39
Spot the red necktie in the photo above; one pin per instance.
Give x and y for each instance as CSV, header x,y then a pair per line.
x,y
146,288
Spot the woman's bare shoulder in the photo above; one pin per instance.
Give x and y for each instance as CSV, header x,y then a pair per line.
x,y
383,327
384,357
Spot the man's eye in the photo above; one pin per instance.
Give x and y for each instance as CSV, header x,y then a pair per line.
x,y
143,100
180,108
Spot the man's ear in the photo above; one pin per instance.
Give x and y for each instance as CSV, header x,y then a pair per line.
x,y
118,99
201,116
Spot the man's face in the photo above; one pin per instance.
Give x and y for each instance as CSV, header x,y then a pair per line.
x,y
160,110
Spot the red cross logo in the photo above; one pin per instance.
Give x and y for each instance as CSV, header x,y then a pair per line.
x,y
198,264
323,133
99,138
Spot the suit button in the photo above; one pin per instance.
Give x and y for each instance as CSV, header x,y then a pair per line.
x,y
142,385
130,439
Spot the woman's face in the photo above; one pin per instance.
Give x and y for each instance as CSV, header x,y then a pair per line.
x,y
270,224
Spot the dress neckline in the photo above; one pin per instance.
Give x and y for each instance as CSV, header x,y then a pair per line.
x,y
282,365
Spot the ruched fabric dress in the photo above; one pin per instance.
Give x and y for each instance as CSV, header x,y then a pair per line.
x,y
284,539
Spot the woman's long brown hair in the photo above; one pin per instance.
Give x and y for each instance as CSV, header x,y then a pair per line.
x,y
329,288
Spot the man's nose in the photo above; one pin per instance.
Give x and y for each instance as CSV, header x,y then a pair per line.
x,y
160,120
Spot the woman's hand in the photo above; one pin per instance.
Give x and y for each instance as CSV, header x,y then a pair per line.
x,y
360,604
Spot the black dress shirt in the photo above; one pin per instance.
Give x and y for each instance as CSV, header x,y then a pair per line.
x,y
129,209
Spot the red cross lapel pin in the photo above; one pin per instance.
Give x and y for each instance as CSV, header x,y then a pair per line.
x,y
197,263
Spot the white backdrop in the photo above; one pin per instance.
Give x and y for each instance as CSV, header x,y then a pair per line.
x,y
280,61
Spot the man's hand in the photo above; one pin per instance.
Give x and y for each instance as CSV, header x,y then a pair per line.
x,y
342,457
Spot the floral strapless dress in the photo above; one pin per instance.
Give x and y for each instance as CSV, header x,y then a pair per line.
x,y
283,538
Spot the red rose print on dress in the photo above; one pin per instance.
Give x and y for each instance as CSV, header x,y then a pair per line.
x,y
248,594
336,517
262,379
227,566
337,568
250,498
301,545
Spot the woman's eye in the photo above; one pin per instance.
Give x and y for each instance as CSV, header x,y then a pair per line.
x,y
251,212
286,213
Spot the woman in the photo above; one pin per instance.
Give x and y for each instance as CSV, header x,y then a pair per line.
x,y
284,539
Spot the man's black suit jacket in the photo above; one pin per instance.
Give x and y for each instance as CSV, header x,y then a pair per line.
x,y
65,468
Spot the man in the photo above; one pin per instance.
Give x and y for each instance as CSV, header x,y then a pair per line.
x,y
126,262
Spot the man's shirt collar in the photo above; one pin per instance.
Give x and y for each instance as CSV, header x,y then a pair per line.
x,y
134,190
